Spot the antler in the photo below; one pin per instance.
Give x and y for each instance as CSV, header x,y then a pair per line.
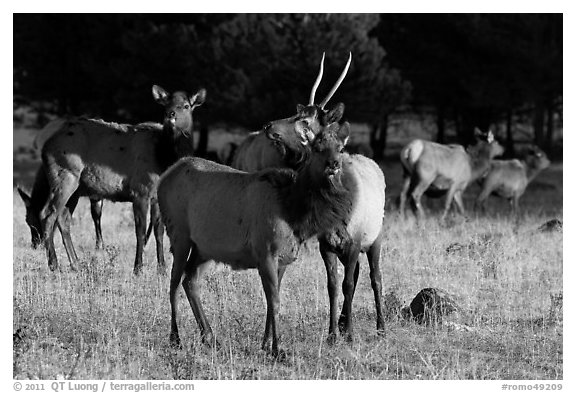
x,y
318,79
337,84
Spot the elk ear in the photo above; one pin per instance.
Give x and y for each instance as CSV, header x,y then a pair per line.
x,y
25,198
335,114
198,98
478,134
160,95
303,132
344,133
490,137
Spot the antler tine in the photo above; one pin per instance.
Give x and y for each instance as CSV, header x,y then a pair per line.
x,y
338,82
318,79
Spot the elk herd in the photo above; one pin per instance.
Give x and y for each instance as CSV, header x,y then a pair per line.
x,y
289,183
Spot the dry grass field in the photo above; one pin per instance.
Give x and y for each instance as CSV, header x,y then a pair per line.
x,y
103,323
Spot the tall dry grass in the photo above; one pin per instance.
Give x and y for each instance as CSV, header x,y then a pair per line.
x,y
102,322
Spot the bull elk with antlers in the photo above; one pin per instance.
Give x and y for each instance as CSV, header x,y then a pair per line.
x,y
116,162
362,233
258,152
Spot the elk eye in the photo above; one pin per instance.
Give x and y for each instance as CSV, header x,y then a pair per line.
x,y
186,106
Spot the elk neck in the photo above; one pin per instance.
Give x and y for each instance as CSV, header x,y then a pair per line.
x,y
315,205
174,144
479,157
40,191
531,169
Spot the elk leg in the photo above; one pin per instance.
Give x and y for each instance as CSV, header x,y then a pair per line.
x,y
96,212
448,201
482,198
459,203
67,185
515,206
192,287
331,261
417,192
158,235
269,276
140,208
64,223
403,194
180,252
351,272
281,271
373,256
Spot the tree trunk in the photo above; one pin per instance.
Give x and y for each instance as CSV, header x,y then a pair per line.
x,y
538,122
202,148
378,137
549,128
440,125
509,136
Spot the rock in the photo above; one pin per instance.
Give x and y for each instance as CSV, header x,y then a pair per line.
x,y
431,305
553,225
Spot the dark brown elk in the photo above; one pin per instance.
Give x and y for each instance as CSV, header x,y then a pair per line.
x,y
120,163
36,201
444,169
258,152
364,179
250,220
509,178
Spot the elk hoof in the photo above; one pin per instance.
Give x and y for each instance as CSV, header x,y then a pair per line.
x,y
332,338
175,341
210,341
137,270
279,355
53,266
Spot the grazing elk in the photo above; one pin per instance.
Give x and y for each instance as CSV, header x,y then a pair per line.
x,y
258,152
437,169
116,162
250,220
509,178
36,201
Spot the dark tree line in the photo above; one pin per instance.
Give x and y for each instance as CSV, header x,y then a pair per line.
x,y
478,69
472,70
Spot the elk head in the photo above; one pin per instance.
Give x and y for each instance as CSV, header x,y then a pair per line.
x,y
284,132
178,108
327,150
487,140
32,219
536,158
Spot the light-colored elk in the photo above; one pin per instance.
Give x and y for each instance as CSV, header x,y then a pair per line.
x,y
509,178
116,162
250,220
444,169
258,152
